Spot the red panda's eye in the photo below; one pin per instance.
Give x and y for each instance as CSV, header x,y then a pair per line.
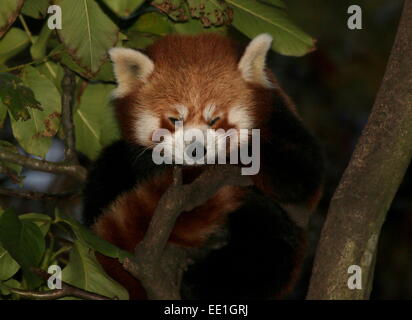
x,y
173,120
211,123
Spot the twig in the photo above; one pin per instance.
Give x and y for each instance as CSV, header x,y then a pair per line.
x,y
35,195
68,88
10,173
43,60
59,252
147,265
76,171
67,290
26,28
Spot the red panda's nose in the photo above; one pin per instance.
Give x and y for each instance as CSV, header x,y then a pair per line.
x,y
196,151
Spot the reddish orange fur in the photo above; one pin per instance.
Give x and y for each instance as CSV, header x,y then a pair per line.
x,y
204,77
125,223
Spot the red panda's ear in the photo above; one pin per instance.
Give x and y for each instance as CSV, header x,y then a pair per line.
x,y
252,64
129,66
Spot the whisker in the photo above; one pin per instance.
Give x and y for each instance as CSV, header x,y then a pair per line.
x,y
142,152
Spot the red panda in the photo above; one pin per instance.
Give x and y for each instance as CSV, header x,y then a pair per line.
x,y
207,81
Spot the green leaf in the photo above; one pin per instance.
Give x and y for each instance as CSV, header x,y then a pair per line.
x,y
106,73
275,3
87,33
60,54
68,61
94,121
141,41
253,18
34,135
189,27
123,8
11,283
41,220
12,170
9,10
38,49
175,9
148,28
24,241
35,8
16,97
3,114
53,71
15,41
153,23
85,272
194,26
210,13
90,239
8,266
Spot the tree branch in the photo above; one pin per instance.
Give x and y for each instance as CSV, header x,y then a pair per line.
x,y
68,98
73,170
34,195
159,268
368,186
10,173
67,290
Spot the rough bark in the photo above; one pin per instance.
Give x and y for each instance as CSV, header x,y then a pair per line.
x,y
68,98
368,186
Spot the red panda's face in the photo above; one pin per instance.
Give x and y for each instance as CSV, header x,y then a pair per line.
x,y
189,86
207,121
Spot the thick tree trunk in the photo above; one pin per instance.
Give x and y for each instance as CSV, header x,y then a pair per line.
x,y
368,186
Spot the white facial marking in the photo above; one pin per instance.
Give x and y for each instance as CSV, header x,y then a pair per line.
x,y
182,110
208,112
241,117
145,125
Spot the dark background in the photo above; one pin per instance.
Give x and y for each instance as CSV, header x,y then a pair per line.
x,y
334,89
